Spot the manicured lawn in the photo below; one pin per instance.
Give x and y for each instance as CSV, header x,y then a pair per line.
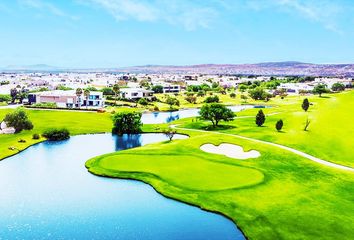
x,y
329,136
279,195
276,196
76,122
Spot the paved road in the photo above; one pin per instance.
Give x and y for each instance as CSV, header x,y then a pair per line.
x,y
302,154
11,106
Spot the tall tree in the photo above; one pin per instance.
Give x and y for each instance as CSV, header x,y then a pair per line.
x,y
18,120
215,112
127,122
87,95
305,104
279,125
78,94
116,89
260,118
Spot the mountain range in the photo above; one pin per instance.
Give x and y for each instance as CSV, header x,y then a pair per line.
x,y
289,68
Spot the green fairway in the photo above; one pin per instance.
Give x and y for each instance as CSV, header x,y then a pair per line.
x,y
276,196
76,122
329,136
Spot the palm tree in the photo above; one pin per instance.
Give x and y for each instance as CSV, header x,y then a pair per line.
x,y
87,95
78,94
116,89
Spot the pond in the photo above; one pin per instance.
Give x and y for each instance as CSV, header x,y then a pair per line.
x,y
47,193
166,117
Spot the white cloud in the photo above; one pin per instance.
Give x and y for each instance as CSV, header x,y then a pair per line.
x,y
324,12
176,12
45,6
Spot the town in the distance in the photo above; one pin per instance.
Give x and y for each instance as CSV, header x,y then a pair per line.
x,y
58,89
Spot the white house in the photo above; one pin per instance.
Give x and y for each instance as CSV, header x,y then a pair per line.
x,y
67,98
136,93
169,88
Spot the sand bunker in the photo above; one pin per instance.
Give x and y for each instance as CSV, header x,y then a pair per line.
x,y
230,150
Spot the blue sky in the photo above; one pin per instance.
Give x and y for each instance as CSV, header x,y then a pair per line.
x,y
115,33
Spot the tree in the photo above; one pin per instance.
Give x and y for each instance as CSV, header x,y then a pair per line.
x,y
320,89
107,91
307,123
305,104
170,133
157,89
260,118
212,99
242,87
143,101
279,125
191,99
126,122
13,94
115,89
232,95
258,93
244,98
338,87
201,93
78,94
215,112
87,95
172,101
18,120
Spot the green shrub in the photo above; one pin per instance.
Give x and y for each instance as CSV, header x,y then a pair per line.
x,y
36,136
56,134
212,99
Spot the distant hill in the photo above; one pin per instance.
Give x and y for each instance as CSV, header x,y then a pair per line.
x,y
36,67
267,68
289,68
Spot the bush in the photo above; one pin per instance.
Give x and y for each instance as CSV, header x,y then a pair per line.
x,y
36,136
18,120
143,101
212,99
232,95
44,105
5,98
56,134
22,140
279,125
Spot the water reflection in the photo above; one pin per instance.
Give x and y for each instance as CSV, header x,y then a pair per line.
x,y
47,193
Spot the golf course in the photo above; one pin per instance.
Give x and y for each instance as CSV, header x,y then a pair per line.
x,y
277,194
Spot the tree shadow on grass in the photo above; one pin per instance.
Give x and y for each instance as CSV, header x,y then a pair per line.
x,y
218,128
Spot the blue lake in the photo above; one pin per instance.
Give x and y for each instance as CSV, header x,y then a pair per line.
x,y
47,193
166,117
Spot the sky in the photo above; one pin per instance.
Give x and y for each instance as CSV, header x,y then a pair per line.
x,y
119,33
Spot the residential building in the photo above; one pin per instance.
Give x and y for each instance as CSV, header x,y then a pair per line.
x,y
136,93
